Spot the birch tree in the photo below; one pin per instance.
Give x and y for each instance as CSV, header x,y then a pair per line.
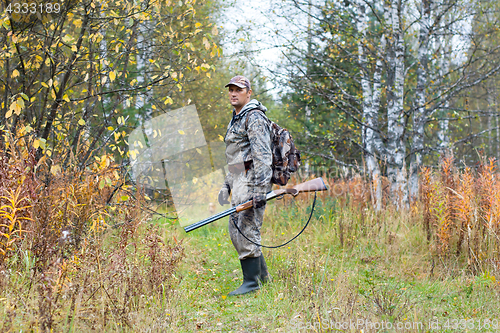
x,y
410,66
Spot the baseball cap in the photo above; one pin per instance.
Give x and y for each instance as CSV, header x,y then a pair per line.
x,y
239,81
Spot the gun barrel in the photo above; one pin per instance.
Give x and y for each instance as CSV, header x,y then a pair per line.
x,y
210,219
316,184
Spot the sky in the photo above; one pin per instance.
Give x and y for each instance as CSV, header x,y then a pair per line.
x,y
250,28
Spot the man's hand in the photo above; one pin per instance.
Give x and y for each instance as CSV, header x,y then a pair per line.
x,y
224,193
259,200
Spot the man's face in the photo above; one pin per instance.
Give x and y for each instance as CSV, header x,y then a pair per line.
x,y
238,97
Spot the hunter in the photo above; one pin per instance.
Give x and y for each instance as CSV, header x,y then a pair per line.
x,y
249,159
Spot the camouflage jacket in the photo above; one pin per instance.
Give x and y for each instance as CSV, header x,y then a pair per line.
x,y
248,138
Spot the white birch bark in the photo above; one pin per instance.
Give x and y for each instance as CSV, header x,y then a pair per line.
x,y
309,54
419,115
395,113
444,43
497,150
370,109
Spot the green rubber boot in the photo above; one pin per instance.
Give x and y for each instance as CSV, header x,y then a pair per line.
x,y
251,276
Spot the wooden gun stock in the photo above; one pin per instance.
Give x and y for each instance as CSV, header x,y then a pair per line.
x,y
312,185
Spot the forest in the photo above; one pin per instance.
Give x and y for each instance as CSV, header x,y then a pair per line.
x,y
112,122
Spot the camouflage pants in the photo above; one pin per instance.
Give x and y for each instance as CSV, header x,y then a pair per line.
x,y
248,221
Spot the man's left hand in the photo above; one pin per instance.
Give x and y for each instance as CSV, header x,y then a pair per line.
x,y
259,200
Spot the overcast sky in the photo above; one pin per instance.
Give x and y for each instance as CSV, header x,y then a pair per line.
x,y
250,28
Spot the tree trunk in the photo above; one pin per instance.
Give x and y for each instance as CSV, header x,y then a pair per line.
x,y
420,116
395,113
371,102
443,125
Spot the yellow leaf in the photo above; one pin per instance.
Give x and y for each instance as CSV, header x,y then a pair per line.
x,y
104,79
124,198
15,73
66,98
67,38
73,48
8,114
112,76
169,101
36,144
55,169
153,107
77,23
181,132
81,122
206,43
110,128
42,143
215,32
14,108
221,138
45,85
197,25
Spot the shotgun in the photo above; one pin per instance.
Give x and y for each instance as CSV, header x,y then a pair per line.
x,y
313,185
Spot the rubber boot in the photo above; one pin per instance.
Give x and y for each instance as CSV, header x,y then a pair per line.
x,y
251,276
264,274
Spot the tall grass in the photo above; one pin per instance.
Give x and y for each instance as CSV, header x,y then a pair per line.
x,y
73,257
352,263
78,252
461,212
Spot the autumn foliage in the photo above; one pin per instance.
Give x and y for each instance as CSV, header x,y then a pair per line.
x,y
461,210
77,238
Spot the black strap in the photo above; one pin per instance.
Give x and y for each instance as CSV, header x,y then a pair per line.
x,y
277,246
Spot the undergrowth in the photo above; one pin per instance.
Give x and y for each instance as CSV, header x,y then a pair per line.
x,y
79,252
76,253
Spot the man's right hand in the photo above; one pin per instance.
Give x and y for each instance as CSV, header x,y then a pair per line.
x,y
224,193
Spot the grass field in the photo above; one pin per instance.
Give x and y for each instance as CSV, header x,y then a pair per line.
x,y
351,270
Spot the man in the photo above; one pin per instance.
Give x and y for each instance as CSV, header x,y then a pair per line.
x,y
249,158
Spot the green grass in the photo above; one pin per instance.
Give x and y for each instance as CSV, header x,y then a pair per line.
x,y
381,271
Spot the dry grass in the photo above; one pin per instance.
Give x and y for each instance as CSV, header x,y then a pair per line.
x,y
64,265
461,212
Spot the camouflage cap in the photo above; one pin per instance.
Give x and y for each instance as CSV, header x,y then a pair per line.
x,y
239,81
